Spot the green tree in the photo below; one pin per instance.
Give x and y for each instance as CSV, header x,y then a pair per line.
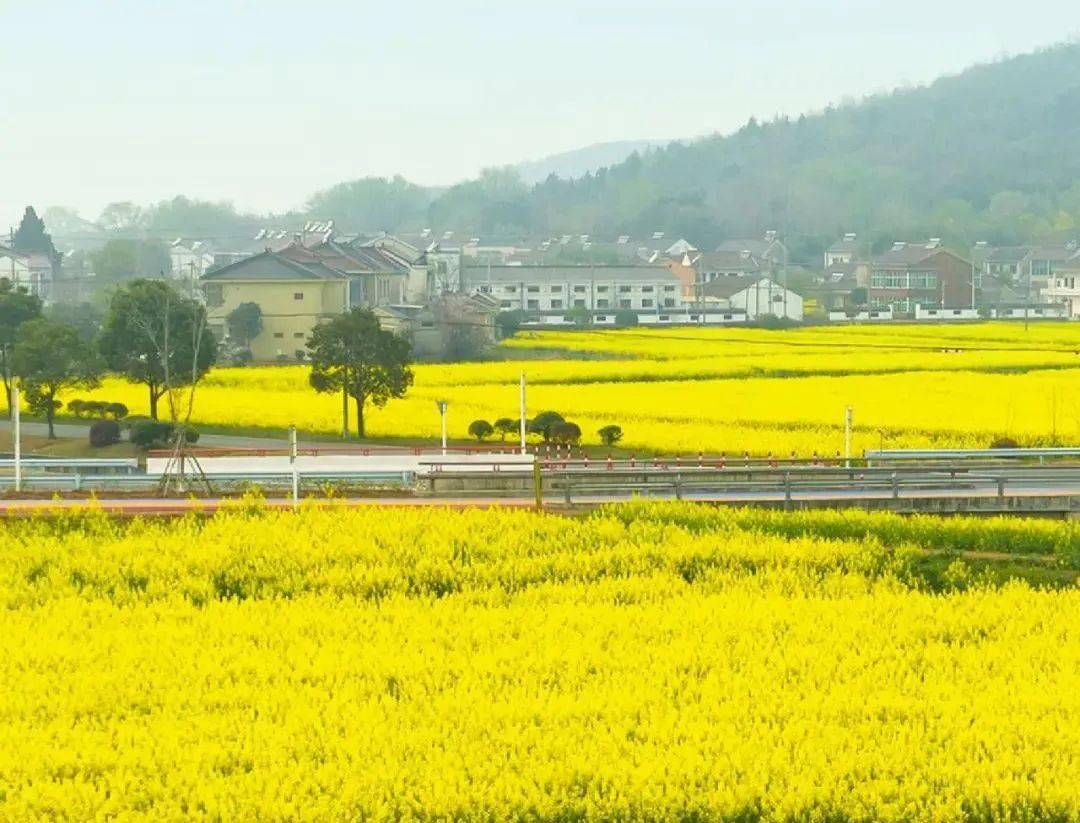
x,y
543,423
507,425
353,355
245,322
31,236
481,430
155,336
121,217
610,434
371,203
87,318
121,260
48,358
16,308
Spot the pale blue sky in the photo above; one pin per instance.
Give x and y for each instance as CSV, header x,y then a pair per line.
x,y
264,102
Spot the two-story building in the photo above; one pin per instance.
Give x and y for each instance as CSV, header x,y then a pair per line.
x,y
30,270
843,252
924,274
540,289
297,287
758,296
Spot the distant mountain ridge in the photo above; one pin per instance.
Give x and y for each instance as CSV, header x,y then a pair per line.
x,y
578,162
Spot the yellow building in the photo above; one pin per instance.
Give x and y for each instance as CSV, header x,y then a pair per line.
x,y
296,288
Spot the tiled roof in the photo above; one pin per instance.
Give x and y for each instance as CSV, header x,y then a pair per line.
x,y
476,275
729,286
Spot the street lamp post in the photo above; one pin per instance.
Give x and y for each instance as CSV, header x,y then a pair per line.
x,y
442,404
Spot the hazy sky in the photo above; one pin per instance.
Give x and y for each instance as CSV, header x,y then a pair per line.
x,y
264,102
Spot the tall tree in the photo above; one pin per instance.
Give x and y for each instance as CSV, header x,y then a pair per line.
x,y
155,336
31,236
122,259
122,216
351,354
245,322
50,357
16,308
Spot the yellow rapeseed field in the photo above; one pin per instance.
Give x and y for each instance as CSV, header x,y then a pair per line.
x,y
731,390
648,662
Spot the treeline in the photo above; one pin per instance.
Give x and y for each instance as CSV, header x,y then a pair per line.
x,y
990,154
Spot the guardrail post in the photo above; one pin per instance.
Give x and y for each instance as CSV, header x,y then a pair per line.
x,y
678,486
78,481
1001,487
787,491
895,486
538,484
566,489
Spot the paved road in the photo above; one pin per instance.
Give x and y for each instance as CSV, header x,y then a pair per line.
x,y
81,431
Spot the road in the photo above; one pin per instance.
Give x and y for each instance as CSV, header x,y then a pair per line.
x,y
79,431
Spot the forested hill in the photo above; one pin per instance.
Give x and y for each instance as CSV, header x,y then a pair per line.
x,y
992,153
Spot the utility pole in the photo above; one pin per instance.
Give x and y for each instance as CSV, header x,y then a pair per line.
x,y
1027,299
16,434
847,437
292,466
521,413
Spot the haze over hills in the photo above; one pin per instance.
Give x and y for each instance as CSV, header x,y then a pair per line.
x,y
578,162
992,153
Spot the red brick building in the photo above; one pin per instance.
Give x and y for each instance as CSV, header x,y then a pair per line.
x,y
923,274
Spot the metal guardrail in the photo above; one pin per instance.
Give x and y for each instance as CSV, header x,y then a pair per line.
x,y
120,482
972,454
74,464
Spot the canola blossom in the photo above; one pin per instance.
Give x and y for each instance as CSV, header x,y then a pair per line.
x,y
646,662
718,390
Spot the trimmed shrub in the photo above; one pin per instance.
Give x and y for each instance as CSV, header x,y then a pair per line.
x,y
542,423
507,425
610,435
152,434
481,429
117,411
625,318
77,407
1004,442
565,432
104,433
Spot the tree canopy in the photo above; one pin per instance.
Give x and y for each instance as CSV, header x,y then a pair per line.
x,y
16,308
350,353
122,259
32,236
50,357
155,336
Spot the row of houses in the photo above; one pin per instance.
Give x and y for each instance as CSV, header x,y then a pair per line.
x,y
911,277
428,291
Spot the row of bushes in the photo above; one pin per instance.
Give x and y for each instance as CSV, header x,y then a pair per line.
x,y
144,433
549,425
97,408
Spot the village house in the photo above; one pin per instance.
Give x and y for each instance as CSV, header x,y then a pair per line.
x,y
539,289
924,274
844,251
298,287
30,270
757,295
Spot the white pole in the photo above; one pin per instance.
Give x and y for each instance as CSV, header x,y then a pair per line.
x,y
521,413
442,410
292,466
16,434
847,437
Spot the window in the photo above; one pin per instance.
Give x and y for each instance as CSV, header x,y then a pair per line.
x,y
556,289
532,304
624,290
580,289
298,295
889,280
669,303
624,304
485,290
506,304
601,318
669,288
279,334
923,280
646,303
533,289
556,303
299,335
215,296
579,304
647,289
601,304
665,318
601,289
510,289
